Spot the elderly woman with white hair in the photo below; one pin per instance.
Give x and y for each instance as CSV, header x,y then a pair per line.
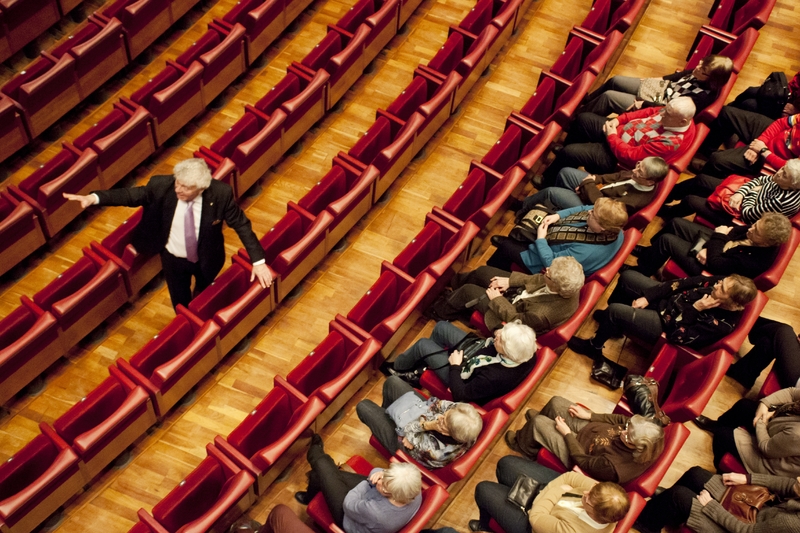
x,y
541,301
475,369
382,502
434,432
607,447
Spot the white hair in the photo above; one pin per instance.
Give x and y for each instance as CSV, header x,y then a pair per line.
x,y
519,341
682,106
464,423
566,273
193,173
403,481
792,171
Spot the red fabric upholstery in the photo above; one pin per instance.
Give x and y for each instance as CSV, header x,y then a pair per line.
x,y
25,21
330,45
770,385
469,196
331,187
357,14
505,151
13,134
478,17
208,41
729,463
410,99
287,88
20,231
733,18
449,54
423,249
144,21
375,139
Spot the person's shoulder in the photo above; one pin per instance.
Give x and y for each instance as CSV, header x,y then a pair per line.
x,y
220,189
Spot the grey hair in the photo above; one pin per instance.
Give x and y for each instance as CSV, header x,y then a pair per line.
x,y
655,168
519,341
792,169
464,423
566,273
777,228
403,481
193,173
682,106
647,437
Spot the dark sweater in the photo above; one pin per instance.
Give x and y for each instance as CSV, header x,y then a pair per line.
x,y
748,261
488,382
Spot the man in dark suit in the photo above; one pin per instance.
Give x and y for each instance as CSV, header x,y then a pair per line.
x,y
173,205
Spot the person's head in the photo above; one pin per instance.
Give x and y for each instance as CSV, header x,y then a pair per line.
x,y
644,437
678,112
650,170
192,176
515,341
565,276
772,229
714,70
788,176
606,502
402,481
463,422
608,215
734,292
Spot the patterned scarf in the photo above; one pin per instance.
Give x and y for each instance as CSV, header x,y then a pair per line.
x,y
574,228
685,86
478,361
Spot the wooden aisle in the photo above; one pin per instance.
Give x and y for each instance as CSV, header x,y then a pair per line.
x,y
170,451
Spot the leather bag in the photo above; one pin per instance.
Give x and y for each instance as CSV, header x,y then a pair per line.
x,y
642,395
744,501
523,492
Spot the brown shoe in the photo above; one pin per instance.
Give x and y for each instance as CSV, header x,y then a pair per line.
x,y
511,441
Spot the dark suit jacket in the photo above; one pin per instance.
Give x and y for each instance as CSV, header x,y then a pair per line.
x,y
159,201
633,198
748,261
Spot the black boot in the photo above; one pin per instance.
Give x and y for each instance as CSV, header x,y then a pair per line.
x,y
411,377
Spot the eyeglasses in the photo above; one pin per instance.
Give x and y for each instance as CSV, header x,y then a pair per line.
x,y
625,435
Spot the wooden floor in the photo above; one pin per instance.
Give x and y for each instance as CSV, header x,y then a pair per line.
x,y
173,449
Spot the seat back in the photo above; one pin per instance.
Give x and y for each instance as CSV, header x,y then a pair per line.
x,y
93,408
478,17
330,188
284,90
206,42
223,291
54,168
357,14
67,283
379,301
693,384
449,55
423,250
410,99
323,363
170,342
772,276
375,139
540,105
754,14
505,151
329,46
192,497
468,198
264,425
244,129
144,95
27,466
285,233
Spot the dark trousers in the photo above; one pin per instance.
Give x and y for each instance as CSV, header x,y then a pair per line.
x,y
334,484
694,194
740,415
491,497
178,273
749,100
375,418
622,319
674,242
586,147
507,254
673,506
469,287
747,126
701,185
771,340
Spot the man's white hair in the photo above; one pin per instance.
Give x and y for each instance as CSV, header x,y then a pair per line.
x,y
682,106
193,173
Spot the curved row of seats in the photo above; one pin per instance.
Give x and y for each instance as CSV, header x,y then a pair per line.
x,y
21,22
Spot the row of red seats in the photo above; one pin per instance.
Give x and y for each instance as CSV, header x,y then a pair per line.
x,y
23,21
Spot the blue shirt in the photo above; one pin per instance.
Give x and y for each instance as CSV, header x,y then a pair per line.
x,y
367,511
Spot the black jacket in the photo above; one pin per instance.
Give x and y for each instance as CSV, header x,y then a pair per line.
x,y
748,261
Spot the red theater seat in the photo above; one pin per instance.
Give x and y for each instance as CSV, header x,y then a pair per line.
x,y
174,361
263,22
687,382
105,422
235,304
532,153
333,371
272,435
395,157
36,481
24,21
406,103
210,498
143,20
604,275
221,51
83,296
709,41
607,16
13,134
29,344
432,500
476,61
553,101
641,218
20,231
735,17
493,422
305,109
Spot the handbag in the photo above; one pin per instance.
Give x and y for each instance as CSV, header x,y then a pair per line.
x,y
528,224
642,395
652,90
523,492
722,194
744,501
607,372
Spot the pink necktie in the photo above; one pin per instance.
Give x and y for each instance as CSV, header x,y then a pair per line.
x,y
189,235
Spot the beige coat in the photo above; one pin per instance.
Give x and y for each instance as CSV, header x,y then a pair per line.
x,y
547,517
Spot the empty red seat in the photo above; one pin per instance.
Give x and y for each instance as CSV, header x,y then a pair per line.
x,y
709,41
476,60
292,247
24,21
531,156
221,51
735,17
380,15
687,382
395,157
143,20
407,102
13,133
583,53
263,20
44,91
173,97
433,498
493,422
235,304
272,435
438,108
101,425
333,371
20,231
553,101
607,16
450,53
210,498
29,344
83,296
174,361
306,108
604,275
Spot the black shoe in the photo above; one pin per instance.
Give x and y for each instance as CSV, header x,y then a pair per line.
x,y
598,314
475,525
316,440
538,182
511,441
639,250
412,377
584,347
497,240
303,497
705,423
515,205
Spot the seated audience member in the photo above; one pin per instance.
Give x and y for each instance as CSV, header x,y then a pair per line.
x,y
590,234
771,341
763,101
745,250
779,193
475,369
599,144
695,500
568,503
773,142
634,188
695,311
382,502
606,447
622,93
541,301
769,444
432,431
